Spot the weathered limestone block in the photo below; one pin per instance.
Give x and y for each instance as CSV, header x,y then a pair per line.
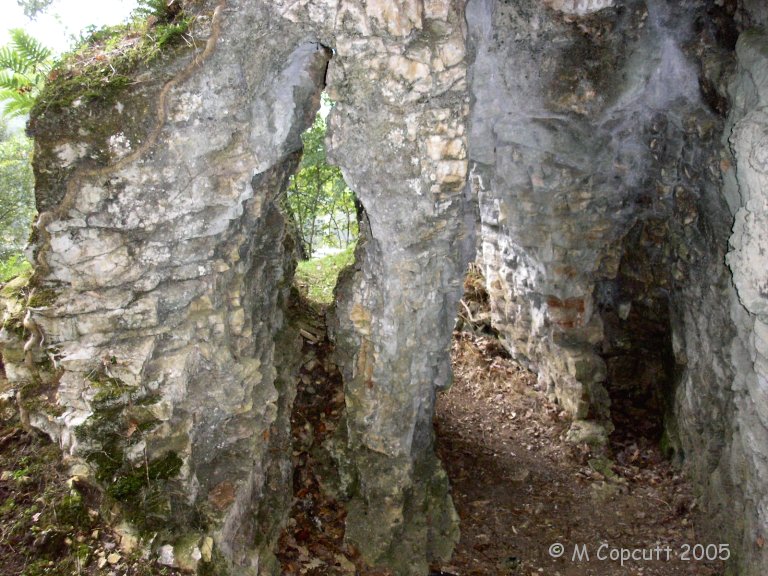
x,y
165,252
746,180
398,132
748,259
604,225
578,204
752,13
555,175
165,256
579,7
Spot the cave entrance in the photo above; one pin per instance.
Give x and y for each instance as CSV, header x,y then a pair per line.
x,y
518,482
637,345
323,213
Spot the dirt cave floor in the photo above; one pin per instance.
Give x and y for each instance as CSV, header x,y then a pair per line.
x,y
523,494
519,488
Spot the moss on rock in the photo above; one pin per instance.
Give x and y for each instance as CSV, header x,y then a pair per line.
x,y
40,298
108,62
13,304
38,395
119,423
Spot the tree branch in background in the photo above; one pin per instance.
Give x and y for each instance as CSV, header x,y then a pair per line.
x,y
317,195
17,203
33,8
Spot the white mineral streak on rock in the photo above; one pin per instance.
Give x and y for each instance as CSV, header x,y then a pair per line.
x,y
746,136
579,7
119,145
70,153
748,258
185,106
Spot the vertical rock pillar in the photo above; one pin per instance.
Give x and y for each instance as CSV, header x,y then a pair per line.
x,y
163,268
398,132
735,484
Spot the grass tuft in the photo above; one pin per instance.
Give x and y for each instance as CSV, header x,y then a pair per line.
x,y
316,278
12,267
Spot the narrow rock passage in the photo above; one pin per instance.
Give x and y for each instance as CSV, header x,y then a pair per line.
x,y
520,488
312,542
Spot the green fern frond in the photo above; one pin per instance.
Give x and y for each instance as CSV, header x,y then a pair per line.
x,y
156,8
12,81
12,60
24,67
16,103
31,50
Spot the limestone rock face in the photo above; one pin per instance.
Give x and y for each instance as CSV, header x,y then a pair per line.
x,y
565,145
596,157
165,263
608,158
399,134
746,451
165,252
579,7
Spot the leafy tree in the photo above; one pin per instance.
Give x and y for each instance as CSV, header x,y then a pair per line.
x,y
24,66
319,201
32,8
17,205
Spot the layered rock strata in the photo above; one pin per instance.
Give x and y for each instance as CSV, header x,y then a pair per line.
x,y
606,203
398,133
163,269
614,149
162,256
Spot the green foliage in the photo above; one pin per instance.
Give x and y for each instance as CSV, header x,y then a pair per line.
x,y
317,278
34,7
162,10
318,200
17,204
42,515
51,524
13,266
24,66
168,33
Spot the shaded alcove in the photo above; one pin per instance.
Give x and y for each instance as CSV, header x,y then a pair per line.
x,y
519,484
637,341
